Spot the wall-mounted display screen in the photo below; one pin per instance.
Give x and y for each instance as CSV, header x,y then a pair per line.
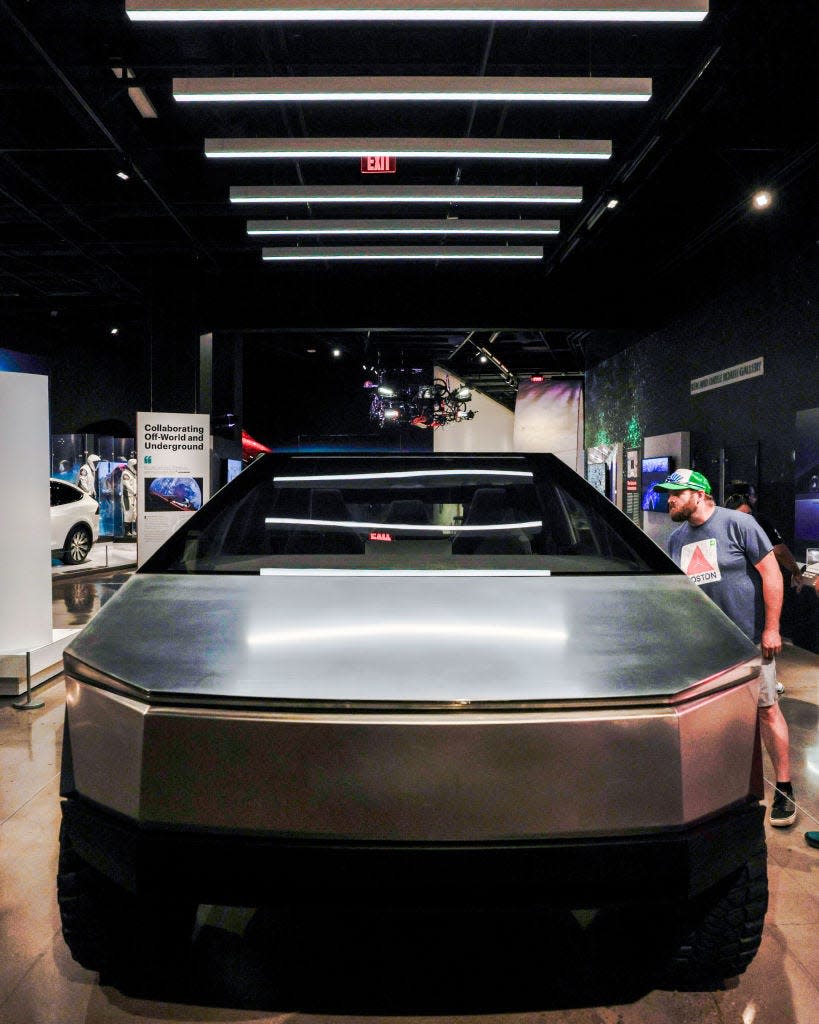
x,y
548,418
654,471
20,362
806,519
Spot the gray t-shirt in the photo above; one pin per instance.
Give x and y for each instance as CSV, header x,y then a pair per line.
x,y
720,556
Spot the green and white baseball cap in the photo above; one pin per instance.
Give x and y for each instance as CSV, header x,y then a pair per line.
x,y
685,480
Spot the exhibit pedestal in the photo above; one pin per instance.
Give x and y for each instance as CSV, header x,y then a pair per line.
x,y
45,663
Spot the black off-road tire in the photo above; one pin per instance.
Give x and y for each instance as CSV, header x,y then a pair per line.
x,y
139,944
719,933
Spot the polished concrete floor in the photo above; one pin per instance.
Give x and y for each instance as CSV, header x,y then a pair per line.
x,y
431,966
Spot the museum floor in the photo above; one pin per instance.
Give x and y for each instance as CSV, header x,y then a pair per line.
x,y
430,966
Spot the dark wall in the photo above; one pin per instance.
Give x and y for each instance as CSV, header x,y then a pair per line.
x,y
151,363
773,315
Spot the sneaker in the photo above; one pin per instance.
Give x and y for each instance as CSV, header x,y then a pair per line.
x,y
780,689
783,809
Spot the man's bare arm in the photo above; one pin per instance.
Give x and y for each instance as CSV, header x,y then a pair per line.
x,y
785,558
768,569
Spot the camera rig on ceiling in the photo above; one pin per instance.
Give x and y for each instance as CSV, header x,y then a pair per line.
x,y
402,396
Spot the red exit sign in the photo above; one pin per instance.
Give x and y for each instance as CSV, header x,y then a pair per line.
x,y
378,164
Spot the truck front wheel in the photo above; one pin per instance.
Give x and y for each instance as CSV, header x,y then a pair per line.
x,y
131,941
718,933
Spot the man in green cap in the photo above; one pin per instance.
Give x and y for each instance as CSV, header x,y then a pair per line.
x,y
729,555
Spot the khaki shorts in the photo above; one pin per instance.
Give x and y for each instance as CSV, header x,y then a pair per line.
x,y
767,689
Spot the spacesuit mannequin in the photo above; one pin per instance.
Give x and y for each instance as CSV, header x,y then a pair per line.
x,y
128,497
87,480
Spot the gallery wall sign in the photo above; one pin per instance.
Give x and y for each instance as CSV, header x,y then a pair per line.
x,y
731,375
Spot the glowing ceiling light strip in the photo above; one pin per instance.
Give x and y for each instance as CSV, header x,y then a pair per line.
x,y
417,10
461,149
416,88
406,194
407,631
415,527
407,474
397,252
403,227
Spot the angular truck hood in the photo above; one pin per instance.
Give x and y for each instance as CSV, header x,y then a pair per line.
x,y
406,637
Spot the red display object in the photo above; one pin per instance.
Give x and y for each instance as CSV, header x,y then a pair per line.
x,y
251,447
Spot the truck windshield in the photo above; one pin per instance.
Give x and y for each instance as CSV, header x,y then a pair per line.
x,y
424,513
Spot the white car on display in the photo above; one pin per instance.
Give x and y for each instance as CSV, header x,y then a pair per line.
x,y
74,522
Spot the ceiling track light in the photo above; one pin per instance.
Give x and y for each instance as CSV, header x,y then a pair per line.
x,y
403,227
406,194
635,163
460,149
417,10
602,207
397,252
486,356
573,244
414,88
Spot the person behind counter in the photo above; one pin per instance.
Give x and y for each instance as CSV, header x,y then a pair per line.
x,y
745,501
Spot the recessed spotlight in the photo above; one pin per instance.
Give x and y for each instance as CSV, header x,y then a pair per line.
x,y
123,176
336,352
483,359
612,203
115,330
762,200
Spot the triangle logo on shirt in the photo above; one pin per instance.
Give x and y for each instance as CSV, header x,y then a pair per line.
x,y
699,561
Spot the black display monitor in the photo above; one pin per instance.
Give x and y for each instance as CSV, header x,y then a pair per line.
x,y
654,471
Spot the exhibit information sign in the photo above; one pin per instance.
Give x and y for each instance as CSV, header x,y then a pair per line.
x,y
631,505
173,460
